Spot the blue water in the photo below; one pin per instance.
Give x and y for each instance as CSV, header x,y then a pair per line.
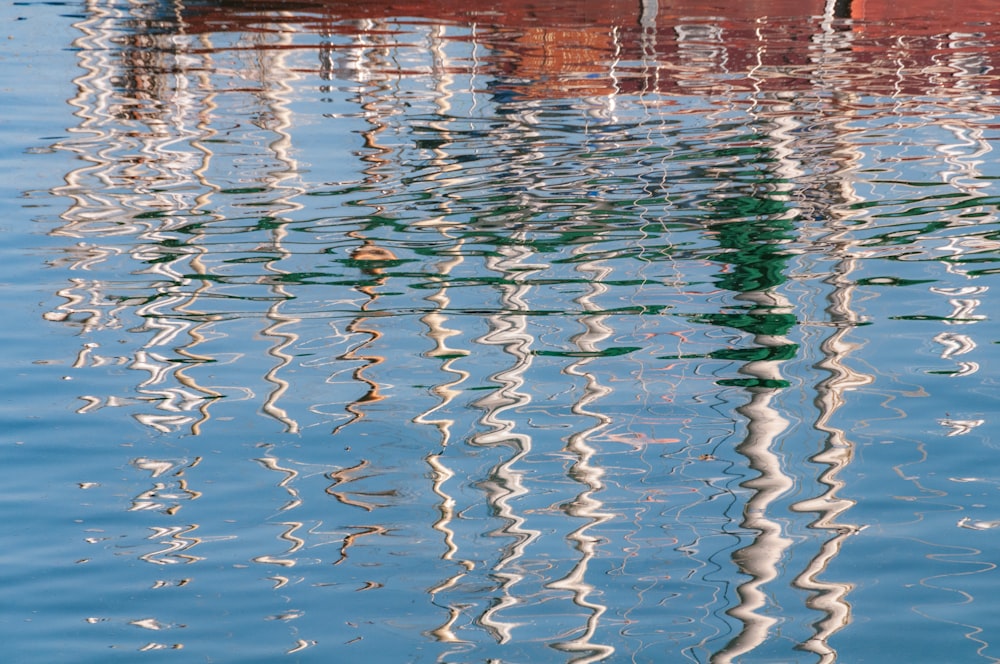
x,y
419,339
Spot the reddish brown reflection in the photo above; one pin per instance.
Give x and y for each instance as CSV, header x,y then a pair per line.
x,y
880,16
555,48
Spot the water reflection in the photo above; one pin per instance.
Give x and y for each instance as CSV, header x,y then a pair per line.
x,y
547,321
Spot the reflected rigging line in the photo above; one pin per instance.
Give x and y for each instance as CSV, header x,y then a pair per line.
x,y
369,255
587,506
830,598
510,331
438,332
277,75
761,559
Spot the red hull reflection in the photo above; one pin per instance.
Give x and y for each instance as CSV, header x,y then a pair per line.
x,y
563,48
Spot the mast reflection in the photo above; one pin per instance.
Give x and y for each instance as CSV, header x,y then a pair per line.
x,y
762,558
505,482
148,193
147,129
587,506
437,320
125,143
828,597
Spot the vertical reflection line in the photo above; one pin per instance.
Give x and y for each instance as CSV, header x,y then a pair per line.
x,y
369,255
446,508
93,104
177,540
202,206
276,77
508,329
106,159
586,505
94,107
505,484
612,96
295,543
368,64
761,559
701,48
436,320
830,598
99,110
198,95
439,333
653,229
964,157
647,23
275,82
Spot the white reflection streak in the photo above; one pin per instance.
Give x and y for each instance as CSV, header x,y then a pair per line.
x,y
960,427
364,64
295,542
971,148
761,559
441,474
125,159
172,324
964,157
509,330
176,540
436,320
91,213
276,77
156,498
827,597
439,334
587,506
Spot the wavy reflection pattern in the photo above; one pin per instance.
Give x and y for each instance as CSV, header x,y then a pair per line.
x,y
526,337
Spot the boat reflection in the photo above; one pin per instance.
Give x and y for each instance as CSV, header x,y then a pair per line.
x,y
549,231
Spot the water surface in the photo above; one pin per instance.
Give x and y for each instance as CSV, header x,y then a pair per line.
x,y
465,332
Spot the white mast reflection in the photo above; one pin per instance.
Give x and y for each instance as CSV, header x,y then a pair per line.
x,y
438,332
827,597
277,76
510,331
762,558
587,506
138,167
123,152
963,159
838,451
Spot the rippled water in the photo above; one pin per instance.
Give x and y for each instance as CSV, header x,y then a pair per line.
x,y
514,332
